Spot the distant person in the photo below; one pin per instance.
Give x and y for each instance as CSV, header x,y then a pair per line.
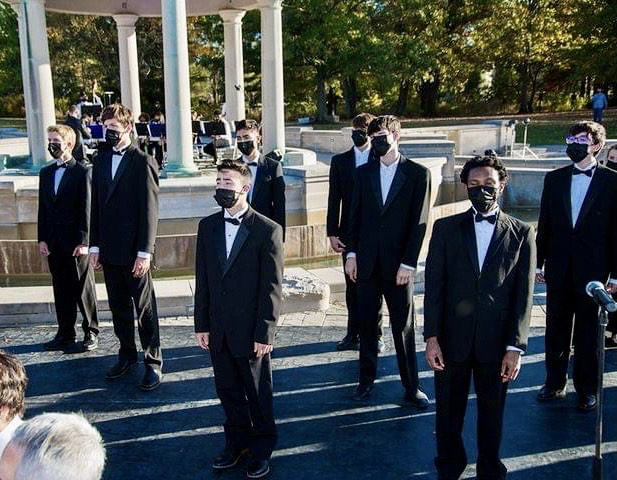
x,y
576,245
96,100
599,103
63,235
144,117
73,120
219,141
343,171
478,296
611,341
267,193
13,382
54,446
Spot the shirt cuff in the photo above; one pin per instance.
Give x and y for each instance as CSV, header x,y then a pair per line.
x,y
407,267
510,348
145,255
94,250
539,270
351,255
612,281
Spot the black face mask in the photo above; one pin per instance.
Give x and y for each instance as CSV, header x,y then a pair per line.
x,y
247,147
359,138
112,138
55,150
577,152
226,198
611,165
482,198
381,145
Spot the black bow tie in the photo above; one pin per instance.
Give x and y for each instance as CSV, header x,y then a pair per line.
x,y
62,165
234,221
490,219
252,164
119,152
577,171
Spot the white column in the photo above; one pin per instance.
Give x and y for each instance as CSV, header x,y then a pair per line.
x,y
38,87
272,91
129,65
177,89
234,67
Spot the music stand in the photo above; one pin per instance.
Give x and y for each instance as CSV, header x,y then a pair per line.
x,y
214,128
93,110
96,131
597,459
141,128
197,126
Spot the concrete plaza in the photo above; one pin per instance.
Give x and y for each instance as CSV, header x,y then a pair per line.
x,y
173,433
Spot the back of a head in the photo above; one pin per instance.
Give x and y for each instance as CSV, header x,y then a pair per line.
x,y
13,382
57,446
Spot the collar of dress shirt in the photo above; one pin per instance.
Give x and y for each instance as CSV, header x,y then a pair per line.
x,y
241,213
392,166
361,153
593,164
246,159
492,211
59,163
121,151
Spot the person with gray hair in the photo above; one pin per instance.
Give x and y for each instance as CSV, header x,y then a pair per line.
x,y
54,446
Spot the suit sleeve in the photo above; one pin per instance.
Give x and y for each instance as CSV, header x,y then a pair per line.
x,y
613,230
435,283
544,224
523,294
85,196
354,215
334,202
201,314
270,288
148,207
278,196
421,205
41,224
94,204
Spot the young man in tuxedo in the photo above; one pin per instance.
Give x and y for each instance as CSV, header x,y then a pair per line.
x,y
342,175
238,288
577,234
63,236
125,211
477,306
267,193
389,212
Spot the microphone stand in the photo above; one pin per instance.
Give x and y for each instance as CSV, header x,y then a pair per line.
x,y
597,461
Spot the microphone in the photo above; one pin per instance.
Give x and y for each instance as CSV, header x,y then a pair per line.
x,y
597,291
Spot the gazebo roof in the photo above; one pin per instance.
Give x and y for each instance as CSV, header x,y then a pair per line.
x,y
143,8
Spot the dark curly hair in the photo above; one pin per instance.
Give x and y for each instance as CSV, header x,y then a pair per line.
x,y
237,166
489,159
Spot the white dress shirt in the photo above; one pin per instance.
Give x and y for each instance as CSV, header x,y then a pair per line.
x,y
7,433
578,189
231,230
253,169
361,156
58,176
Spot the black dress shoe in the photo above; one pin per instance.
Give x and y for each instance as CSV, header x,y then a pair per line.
x,y
350,342
586,402
91,341
362,392
58,343
120,368
229,458
152,378
258,468
73,348
548,394
417,399
381,346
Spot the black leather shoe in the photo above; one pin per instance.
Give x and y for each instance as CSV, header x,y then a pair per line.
x,y
362,392
548,394
417,399
229,458
348,343
58,343
258,468
586,402
381,346
73,348
121,367
91,341
152,379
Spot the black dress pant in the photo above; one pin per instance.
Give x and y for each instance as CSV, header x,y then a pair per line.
x,y
400,305
451,392
73,286
129,295
353,315
244,386
571,319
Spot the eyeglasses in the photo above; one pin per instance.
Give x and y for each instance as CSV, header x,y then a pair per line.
x,y
580,140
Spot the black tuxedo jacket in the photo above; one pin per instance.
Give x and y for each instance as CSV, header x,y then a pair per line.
x,y
125,210
268,196
589,248
238,298
486,310
64,217
392,232
80,133
342,178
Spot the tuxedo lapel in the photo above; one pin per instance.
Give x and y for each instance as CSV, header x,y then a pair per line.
x,y
260,174
469,238
502,227
566,189
65,177
397,182
376,183
121,169
595,186
219,241
241,236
